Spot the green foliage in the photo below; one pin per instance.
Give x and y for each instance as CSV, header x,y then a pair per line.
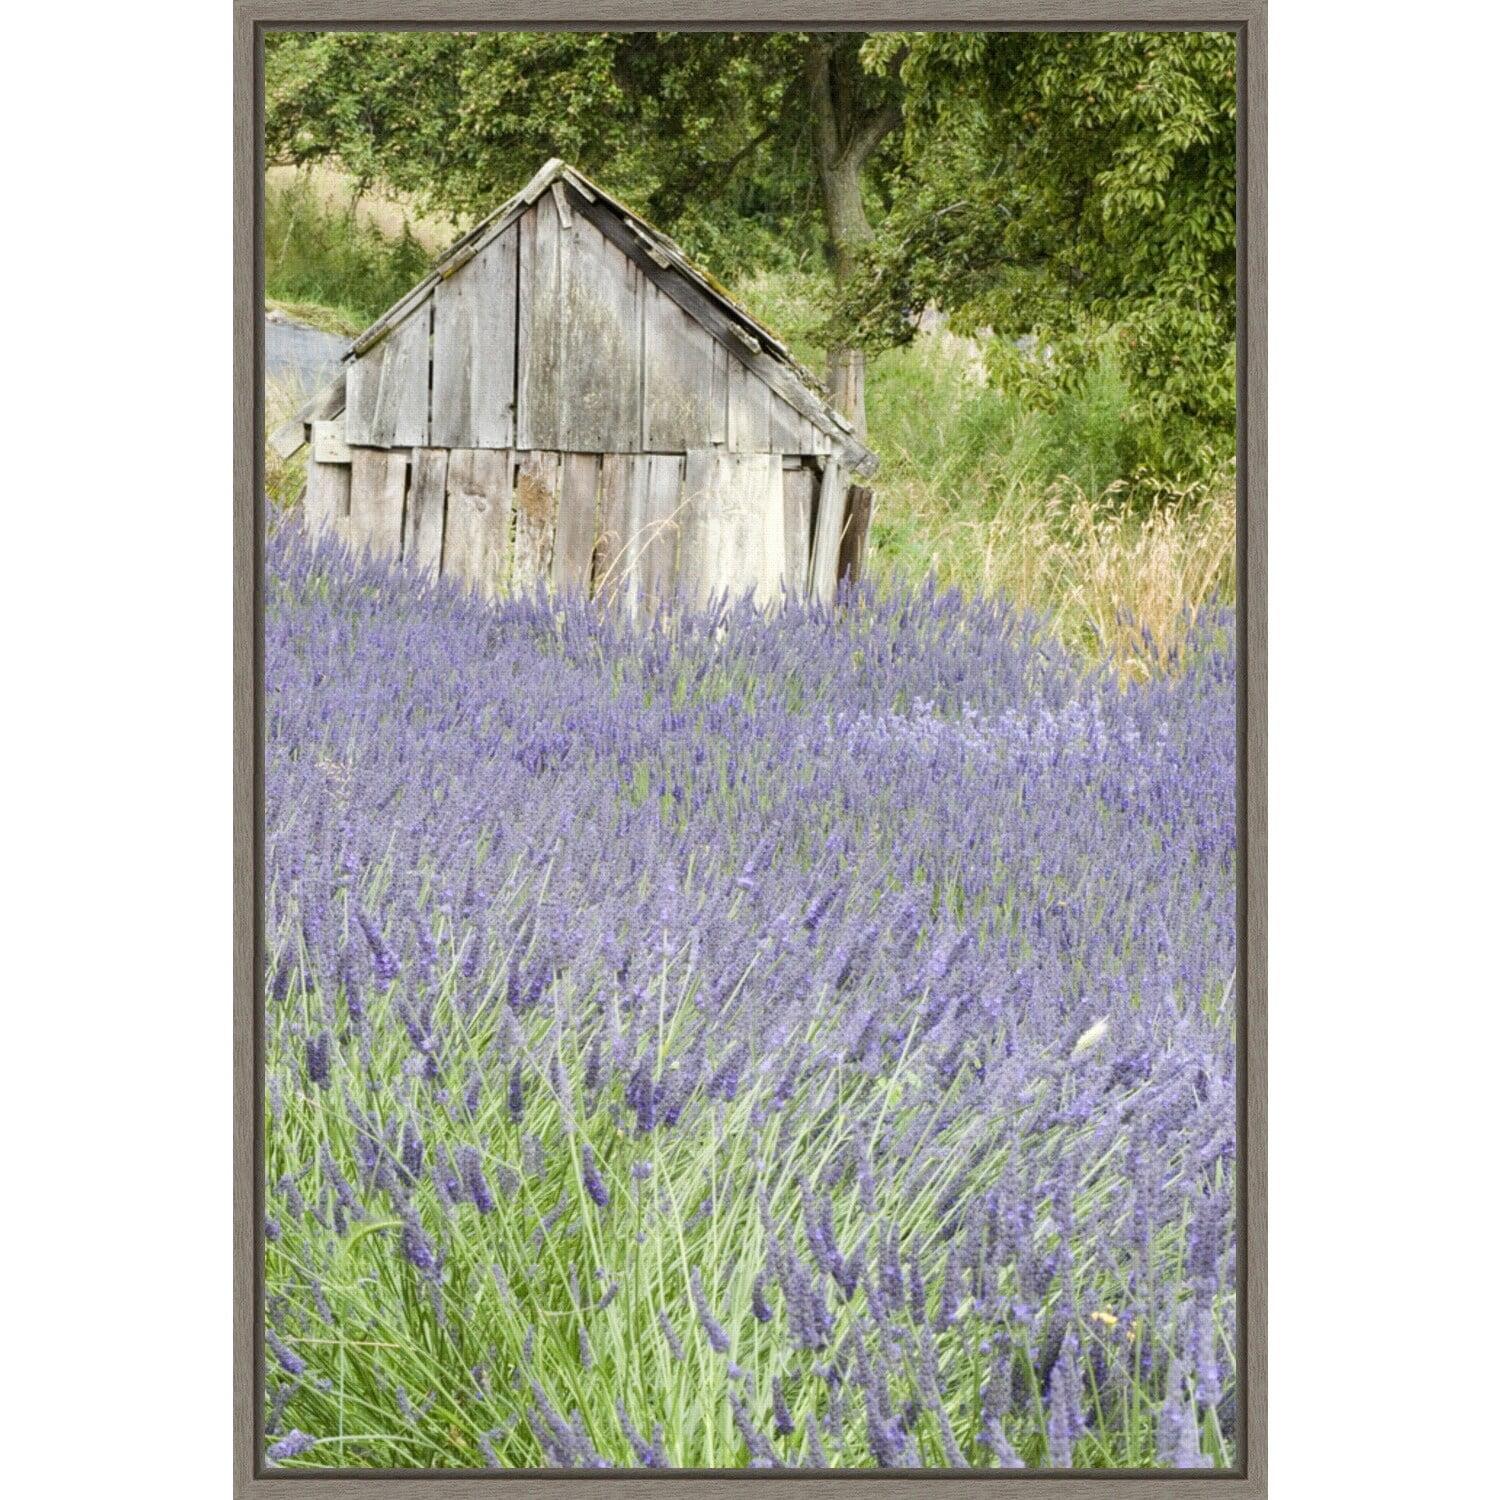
x,y
318,259
1037,417
682,131
971,440
1079,187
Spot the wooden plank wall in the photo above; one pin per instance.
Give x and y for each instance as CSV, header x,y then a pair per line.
x,y
377,501
823,574
798,489
601,347
426,504
856,532
476,538
325,503
577,513
733,529
536,519
387,388
474,350
633,528
553,339
686,380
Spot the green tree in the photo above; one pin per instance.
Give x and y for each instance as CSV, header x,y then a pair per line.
x,y
1079,187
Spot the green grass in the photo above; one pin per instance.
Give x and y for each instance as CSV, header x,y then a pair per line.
x,y
328,269
315,315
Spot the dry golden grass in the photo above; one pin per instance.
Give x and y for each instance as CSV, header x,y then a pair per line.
x,y
1119,579
284,476
380,209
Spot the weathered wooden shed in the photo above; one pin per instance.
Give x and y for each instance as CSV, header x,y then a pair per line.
x,y
565,398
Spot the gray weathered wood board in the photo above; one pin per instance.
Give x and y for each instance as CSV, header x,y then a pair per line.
x,y
623,486
823,575
680,359
748,426
474,350
325,503
579,327
600,356
536,487
422,530
798,487
856,531
329,445
387,388
718,406
636,556
577,510
538,326
476,536
733,527
660,532
377,501
787,429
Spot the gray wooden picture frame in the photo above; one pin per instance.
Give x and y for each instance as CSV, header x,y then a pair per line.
x,y
252,18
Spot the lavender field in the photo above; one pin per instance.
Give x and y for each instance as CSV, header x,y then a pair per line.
x,y
794,1040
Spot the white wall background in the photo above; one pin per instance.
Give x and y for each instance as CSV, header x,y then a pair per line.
x,y
116,559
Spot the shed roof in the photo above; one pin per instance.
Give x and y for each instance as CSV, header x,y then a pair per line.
x,y
697,292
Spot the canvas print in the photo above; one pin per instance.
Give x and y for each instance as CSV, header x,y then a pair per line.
x,y
749,918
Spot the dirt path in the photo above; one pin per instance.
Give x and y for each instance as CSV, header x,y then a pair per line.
x,y
297,355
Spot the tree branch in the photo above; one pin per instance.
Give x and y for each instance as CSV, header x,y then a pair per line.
x,y
871,131
723,169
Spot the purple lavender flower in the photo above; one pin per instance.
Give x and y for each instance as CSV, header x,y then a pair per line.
x,y
417,1248
1065,1417
471,1169
916,1290
533,1157
318,1051
292,1363
411,1151
952,1286
670,1334
762,1454
383,957
650,1455
593,1183
816,1457
758,1304
293,1445
718,1340
784,1425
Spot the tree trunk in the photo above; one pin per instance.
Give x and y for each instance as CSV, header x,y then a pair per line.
x,y
843,139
